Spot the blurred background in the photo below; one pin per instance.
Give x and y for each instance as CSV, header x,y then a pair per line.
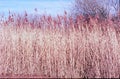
x,y
51,7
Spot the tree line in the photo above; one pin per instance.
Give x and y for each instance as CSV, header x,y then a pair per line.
x,y
102,8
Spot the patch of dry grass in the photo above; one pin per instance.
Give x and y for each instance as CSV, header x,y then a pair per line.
x,y
60,53
59,47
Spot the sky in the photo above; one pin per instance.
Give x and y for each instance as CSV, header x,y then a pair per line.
x,y
52,7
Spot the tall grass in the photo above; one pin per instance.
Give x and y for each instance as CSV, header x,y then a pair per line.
x,y
59,48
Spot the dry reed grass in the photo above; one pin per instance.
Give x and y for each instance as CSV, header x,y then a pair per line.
x,y
91,51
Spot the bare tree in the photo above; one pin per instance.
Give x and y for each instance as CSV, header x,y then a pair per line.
x,y
119,9
115,4
90,7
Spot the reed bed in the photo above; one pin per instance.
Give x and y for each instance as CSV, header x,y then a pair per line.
x,y
59,48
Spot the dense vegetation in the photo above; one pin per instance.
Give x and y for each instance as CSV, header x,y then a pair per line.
x,y
43,46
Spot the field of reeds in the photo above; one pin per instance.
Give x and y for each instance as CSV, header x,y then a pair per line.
x,y
59,47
